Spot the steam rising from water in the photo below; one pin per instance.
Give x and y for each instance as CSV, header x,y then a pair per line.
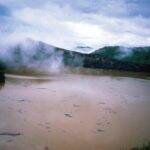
x,y
31,55
35,55
124,52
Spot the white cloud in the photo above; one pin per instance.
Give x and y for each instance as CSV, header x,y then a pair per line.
x,y
65,24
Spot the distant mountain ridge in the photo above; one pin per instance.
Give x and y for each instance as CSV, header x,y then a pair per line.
x,y
39,54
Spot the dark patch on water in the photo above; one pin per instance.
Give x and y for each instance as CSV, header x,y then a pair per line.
x,y
46,148
100,130
10,134
21,100
9,140
75,105
68,115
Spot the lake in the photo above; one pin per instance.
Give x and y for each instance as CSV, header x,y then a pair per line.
x,y
80,110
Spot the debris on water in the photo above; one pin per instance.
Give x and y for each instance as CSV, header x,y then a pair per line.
x,y
47,127
10,107
64,100
21,100
40,124
41,88
108,122
10,134
9,140
75,105
81,121
102,103
47,123
20,111
109,110
68,115
100,130
46,148
64,131
99,123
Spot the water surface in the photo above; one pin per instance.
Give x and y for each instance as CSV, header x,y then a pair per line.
x,y
74,111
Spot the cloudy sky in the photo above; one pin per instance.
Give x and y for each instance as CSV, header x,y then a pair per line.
x,y
68,23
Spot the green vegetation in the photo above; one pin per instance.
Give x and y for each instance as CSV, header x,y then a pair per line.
x,y
119,58
109,52
139,56
111,57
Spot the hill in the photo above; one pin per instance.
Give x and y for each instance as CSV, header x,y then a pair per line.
x,y
36,54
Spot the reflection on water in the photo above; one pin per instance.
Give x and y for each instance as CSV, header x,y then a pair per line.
x,y
2,79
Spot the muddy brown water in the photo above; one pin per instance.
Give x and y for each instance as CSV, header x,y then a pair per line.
x,y
74,112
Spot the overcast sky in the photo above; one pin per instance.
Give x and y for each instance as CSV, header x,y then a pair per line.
x,y
68,23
